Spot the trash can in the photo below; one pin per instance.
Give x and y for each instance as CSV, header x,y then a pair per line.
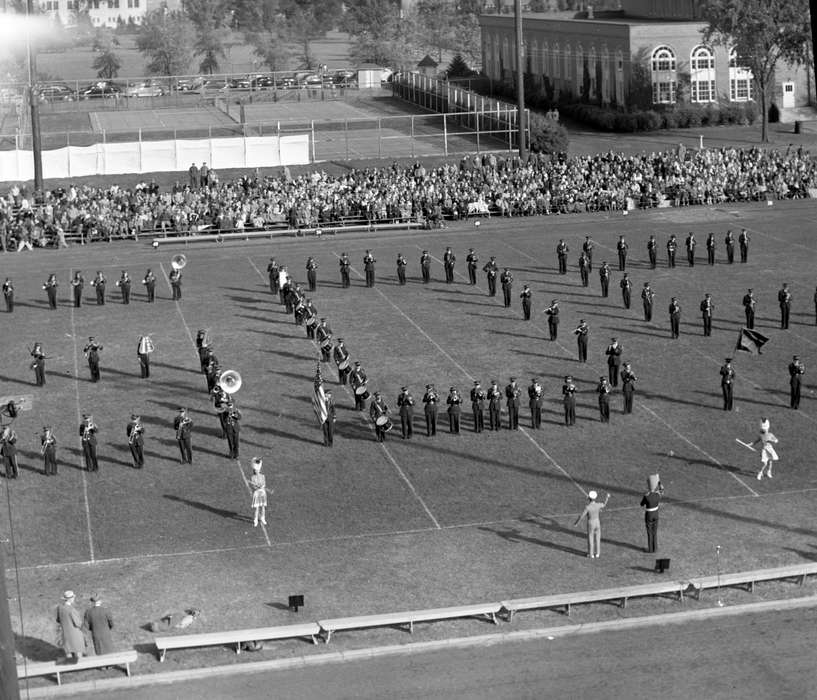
x,y
797,127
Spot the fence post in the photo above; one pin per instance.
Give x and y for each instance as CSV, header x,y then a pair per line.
x,y
445,135
379,138
312,130
412,136
477,120
510,128
346,136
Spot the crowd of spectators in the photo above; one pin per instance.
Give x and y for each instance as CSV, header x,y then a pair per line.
x,y
478,184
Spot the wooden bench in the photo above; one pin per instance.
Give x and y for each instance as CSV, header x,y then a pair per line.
x,y
54,668
749,578
237,637
408,618
566,600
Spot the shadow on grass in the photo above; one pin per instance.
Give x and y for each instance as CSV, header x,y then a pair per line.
x,y
221,512
514,535
14,380
36,650
551,525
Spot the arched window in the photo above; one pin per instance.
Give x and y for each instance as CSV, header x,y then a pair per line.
x,y
497,71
741,88
702,74
533,57
579,70
618,95
605,76
592,69
567,74
664,75
555,62
546,59
505,63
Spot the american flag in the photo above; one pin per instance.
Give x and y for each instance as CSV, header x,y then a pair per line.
x,y
318,397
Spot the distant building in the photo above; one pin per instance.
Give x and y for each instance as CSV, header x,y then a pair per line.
x,y
104,13
651,52
428,66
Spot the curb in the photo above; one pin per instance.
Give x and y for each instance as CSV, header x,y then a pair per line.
x,y
562,631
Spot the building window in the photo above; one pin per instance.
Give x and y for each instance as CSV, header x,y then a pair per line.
x,y
579,71
555,62
741,88
702,74
546,59
567,67
664,75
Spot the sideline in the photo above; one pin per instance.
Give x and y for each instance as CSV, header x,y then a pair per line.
x,y
393,650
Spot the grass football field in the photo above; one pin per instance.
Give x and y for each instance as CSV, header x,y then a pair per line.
x,y
365,527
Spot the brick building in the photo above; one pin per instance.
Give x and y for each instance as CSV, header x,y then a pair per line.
x,y
651,52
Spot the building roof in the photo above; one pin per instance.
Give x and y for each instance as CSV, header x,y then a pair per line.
x,y
427,62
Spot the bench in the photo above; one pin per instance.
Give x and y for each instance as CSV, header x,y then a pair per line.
x,y
566,600
54,668
749,578
237,637
408,618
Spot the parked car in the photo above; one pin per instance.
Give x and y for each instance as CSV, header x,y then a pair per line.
x,y
345,78
188,84
262,82
285,81
145,88
56,92
101,89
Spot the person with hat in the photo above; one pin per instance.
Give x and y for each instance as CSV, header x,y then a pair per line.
x,y
525,296
203,347
70,627
494,405
312,273
99,283
310,318
358,379
784,300
48,449
710,248
328,425
584,269
405,403
561,254
8,450
591,512
587,249
341,356
690,244
430,399
506,280
582,332
77,285
183,425
50,288
535,399
674,318
613,353
622,248
672,247
707,309
401,269
652,251
768,455
749,303
149,280
628,380
569,400
87,433
604,279
379,410
175,278
471,261
92,355
38,364
626,290
730,246
144,346
124,284
258,484
743,244
272,273
8,294
651,501
345,265
491,271
815,306
368,268
552,312
99,622
727,380
647,298
454,401
425,266
478,406
796,371
232,428
323,334
449,259
603,389
512,394
135,432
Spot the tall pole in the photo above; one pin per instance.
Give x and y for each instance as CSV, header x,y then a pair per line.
x,y
9,687
520,81
36,147
813,8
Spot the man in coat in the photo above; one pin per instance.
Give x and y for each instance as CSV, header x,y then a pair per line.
x,y
99,622
70,623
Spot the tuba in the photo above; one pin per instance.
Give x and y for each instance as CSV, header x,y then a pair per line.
x,y
229,381
177,262
145,345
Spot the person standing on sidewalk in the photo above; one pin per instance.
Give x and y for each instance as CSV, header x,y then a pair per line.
x,y
591,512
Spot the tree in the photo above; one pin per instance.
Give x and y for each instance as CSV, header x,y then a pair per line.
x,y
380,34
208,17
270,47
547,135
166,39
761,32
307,20
458,68
106,63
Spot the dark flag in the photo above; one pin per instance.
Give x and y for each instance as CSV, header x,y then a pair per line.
x,y
751,341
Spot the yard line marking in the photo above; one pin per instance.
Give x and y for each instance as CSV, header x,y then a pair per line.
x,y
254,267
777,238
551,460
701,450
79,421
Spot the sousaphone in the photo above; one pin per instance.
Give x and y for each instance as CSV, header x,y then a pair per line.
x,y
177,262
229,381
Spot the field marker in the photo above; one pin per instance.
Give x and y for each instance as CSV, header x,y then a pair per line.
x,y
178,306
254,267
79,421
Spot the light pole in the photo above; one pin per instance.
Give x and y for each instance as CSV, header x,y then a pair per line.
x,y
36,147
520,82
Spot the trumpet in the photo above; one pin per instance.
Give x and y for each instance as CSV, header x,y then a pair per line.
x,y
177,262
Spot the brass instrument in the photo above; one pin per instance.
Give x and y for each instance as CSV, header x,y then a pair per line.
x,y
145,345
177,262
136,431
230,381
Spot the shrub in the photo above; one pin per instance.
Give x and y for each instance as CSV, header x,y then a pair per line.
x,y
546,135
670,119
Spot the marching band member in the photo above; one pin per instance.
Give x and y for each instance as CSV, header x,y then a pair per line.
x,y
569,399
312,273
341,355
672,247
8,450
77,285
91,351
626,285
212,374
283,280
48,449
144,347
345,266
430,399
221,403
258,482
232,428
98,283
613,353
707,308
149,281
525,296
368,268
491,271
647,299
298,305
552,312
628,380
454,402
310,319
176,283
604,279
784,300
50,288
358,380
674,317
796,371
136,441
471,261
401,268
38,364
494,405
203,347
506,281
183,426
329,424
449,259
323,334
379,412
535,393
603,389
561,254
8,294
512,393
124,284
272,271
477,406
286,294
405,402
582,332
87,431
425,266
749,303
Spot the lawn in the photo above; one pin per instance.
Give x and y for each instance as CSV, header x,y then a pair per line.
x,y
365,527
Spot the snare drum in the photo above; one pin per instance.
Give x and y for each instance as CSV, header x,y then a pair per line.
x,y
343,364
383,422
362,392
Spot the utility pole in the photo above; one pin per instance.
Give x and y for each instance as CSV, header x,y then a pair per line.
x,y
36,146
9,687
520,82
